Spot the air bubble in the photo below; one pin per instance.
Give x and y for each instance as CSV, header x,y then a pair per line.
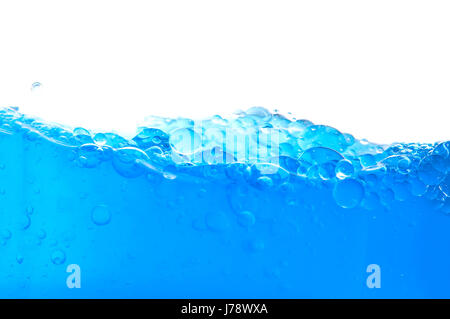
x,y
429,170
185,141
101,215
24,222
246,219
344,169
58,257
100,139
41,234
130,162
348,193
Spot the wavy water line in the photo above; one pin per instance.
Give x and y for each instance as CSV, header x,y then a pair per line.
x,y
268,150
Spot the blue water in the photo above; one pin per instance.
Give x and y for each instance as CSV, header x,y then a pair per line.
x,y
254,206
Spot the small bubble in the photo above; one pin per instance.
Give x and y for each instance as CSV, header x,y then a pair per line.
x,y
417,187
403,165
58,257
348,193
19,259
100,139
100,215
246,219
29,210
130,162
41,234
24,222
169,176
344,169
264,182
255,245
156,139
81,131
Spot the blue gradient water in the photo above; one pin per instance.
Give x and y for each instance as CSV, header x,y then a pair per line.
x,y
291,210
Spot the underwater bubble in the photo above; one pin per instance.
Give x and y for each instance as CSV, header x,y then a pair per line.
x,y
290,164
428,170
404,165
148,137
130,162
81,131
324,136
185,141
303,168
246,219
156,139
237,172
101,215
258,111
326,171
158,158
41,234
90,155
169,175
320,155
217,221
298,128
349,139
418,188
264,182
442,149
254,245
344,169
58,257
367,160
348,193
19,259
29,210
100,139
267,174
24,222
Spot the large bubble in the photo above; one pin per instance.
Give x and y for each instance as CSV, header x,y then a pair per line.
x,y
348,193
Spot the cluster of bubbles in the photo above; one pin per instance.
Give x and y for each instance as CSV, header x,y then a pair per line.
x,y
266,150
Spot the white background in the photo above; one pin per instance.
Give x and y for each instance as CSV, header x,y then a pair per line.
x,y
377,69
